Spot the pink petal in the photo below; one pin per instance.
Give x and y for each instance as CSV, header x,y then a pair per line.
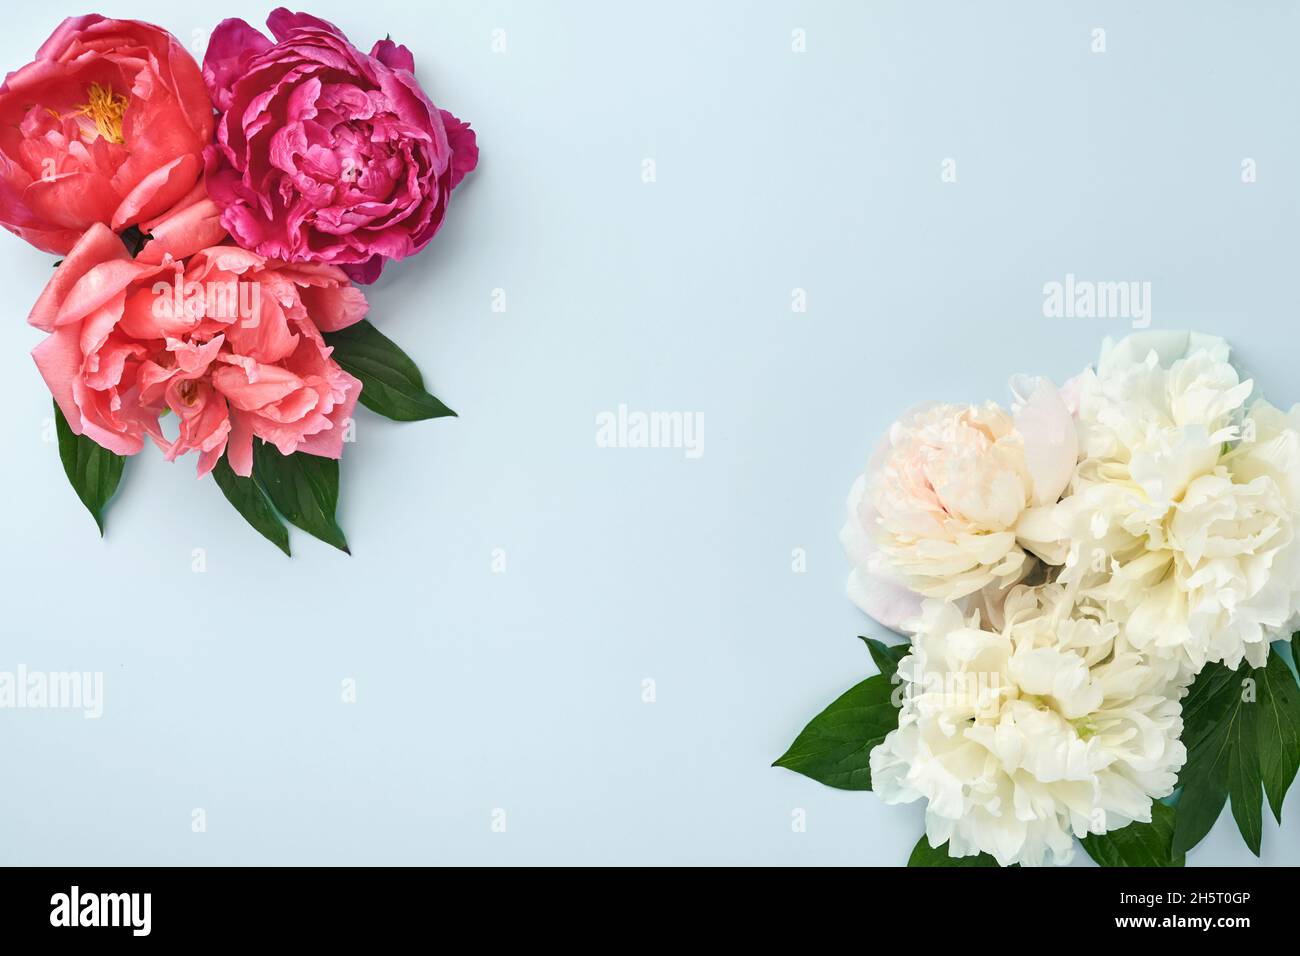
x,y
1050,437
239,449
890,604
884,598
232,44
184,233
98,286
365,272
250,386
464,147
334,308
158,191
329,443
393,55
282,23
97,244
59,361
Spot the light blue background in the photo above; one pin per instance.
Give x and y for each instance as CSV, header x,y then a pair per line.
x,y
523,690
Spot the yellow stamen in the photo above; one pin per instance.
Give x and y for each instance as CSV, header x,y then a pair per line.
x,y
105,110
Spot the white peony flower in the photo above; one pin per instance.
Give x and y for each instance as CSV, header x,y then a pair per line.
x,y
1022,739
952,501
1183,511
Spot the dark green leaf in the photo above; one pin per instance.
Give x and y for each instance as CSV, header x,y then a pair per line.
x,y
303,488
925,855
1138,844
1221,721
887,656
251,501
134,239
1205,790
835,746
1243,773
391,384
1209,711
1208,702
95,472
1279,729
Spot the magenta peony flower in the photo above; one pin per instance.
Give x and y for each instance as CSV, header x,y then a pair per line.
x,y
325,154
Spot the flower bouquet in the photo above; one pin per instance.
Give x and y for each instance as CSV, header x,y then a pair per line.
x,y
1097,587
213,224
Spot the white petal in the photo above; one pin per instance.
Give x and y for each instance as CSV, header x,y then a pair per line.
x,y
1169,347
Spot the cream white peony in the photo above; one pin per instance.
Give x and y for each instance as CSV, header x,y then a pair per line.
x,y
1022,739
952,502
1183,513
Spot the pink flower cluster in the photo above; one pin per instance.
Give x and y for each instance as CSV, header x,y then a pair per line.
x,y
253,192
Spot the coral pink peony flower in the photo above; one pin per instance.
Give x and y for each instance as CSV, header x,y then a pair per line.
x,y
107,125
228,340
325,154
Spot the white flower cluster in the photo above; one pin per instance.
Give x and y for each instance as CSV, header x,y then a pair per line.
x,y
1065,569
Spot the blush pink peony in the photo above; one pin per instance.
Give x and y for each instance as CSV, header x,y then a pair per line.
x,y
956,501
227,340
324,153
107,125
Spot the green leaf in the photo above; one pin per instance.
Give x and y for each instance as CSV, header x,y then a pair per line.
x,y
887,656
835,746
1210,712
1205,791
1138,844
1279,729
1208,702
134,239
1242,732
1243,774
303,488
94,471
251,501
925,855
392,385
